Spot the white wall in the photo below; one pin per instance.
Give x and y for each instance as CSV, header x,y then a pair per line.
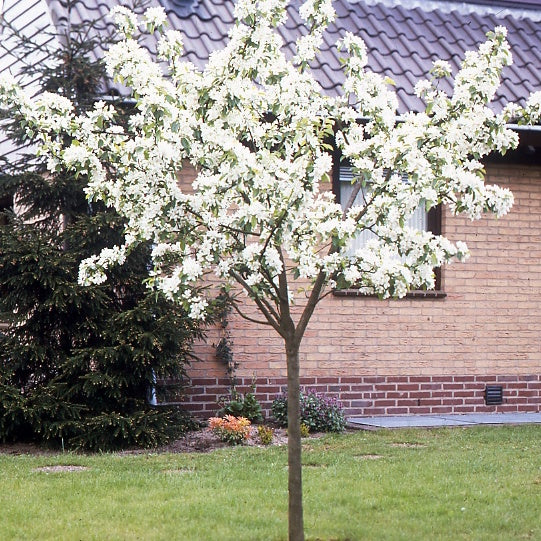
x,y
31,19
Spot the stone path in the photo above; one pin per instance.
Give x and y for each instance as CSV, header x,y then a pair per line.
x,y
413,421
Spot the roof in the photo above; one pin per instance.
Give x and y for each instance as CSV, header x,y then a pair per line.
x,y
403,37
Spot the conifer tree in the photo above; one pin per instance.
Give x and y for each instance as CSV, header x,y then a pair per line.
x,y
76,363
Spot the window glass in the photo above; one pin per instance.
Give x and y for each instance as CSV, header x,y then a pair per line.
x,y
419,219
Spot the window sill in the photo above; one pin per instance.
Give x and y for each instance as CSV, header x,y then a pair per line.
x,y
419,294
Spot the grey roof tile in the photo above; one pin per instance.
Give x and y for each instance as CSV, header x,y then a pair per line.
x,y
402,42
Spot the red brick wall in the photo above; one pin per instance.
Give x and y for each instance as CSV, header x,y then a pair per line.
x,y
385,395
418,355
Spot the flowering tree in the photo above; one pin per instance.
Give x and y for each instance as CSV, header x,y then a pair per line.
x,y
261,136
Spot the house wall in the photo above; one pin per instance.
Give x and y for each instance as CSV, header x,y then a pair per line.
x,y
32,20
416,355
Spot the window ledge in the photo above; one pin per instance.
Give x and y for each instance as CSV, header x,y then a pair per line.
x,y
419,294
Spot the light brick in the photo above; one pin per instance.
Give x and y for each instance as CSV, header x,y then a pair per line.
x,y
485,331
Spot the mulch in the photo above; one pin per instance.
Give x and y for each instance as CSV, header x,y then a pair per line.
x,y
197,441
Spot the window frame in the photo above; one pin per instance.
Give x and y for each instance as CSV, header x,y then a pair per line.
x,y
434,225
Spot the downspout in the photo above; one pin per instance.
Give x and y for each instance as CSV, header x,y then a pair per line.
x,y
151,393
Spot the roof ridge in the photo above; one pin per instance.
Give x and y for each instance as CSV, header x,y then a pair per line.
x,y
463,7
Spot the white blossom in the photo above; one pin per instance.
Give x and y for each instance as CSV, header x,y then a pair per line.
x,y
441,68
170,44
125,19
155,17
422,87
191,268
256,127
307,47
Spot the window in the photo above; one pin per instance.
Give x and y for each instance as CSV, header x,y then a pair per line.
x,y
421,219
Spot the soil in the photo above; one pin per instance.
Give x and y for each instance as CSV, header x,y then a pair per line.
x,y
198,441
24,449
204,441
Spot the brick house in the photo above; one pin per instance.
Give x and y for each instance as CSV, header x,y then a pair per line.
x,y
474,344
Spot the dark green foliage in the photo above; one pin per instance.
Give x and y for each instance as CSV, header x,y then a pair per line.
x,y
77,363
224,352
240,405
279,409
318,412
224,348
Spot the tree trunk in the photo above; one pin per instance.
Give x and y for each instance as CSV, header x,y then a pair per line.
x,y
295,514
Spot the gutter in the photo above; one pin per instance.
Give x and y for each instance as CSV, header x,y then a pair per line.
x,y
527,152
529,136
527,129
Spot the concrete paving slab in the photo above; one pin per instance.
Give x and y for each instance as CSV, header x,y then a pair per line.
x,y
405,421
412,421
499,418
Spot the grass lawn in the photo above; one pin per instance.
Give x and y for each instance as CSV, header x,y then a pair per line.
x,y
457,484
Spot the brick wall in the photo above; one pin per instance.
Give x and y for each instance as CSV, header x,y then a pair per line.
x,y
486,328
385,395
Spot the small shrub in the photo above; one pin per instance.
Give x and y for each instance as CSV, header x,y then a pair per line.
x,y
318,412
234,430
322,413
279,409
305,430
239,405
266,434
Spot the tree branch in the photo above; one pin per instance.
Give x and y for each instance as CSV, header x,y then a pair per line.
x,y
313,299
315,295
271,315
248,318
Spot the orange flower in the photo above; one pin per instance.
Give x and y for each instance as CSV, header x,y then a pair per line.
x,y
215,422
230,428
